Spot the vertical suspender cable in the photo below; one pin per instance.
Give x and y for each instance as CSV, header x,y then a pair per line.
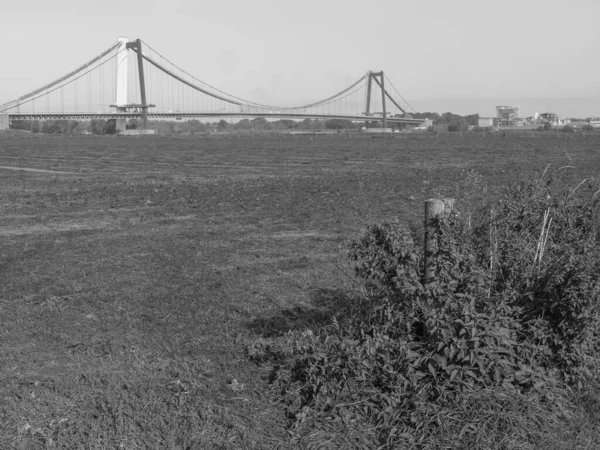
x,y
89,88
147,73
112,78
102,89
134,83
75,97
162,90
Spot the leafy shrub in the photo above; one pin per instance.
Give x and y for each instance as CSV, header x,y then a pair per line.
x,y
547,270
510,320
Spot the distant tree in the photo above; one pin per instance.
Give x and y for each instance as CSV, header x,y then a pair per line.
x,y
453,121
36,126
568,129
243,124
449,118
74,126
259,123
455,126
547,126
222,125
306,124
97,126
309,124
587,127
169,127
195,126
56,127
133,124
110,126
287,123
472,119
426,115
339,124
21,125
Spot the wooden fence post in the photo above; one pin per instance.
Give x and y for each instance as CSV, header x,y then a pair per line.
x,y
433,208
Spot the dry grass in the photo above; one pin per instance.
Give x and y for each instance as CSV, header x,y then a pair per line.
x,y
130,286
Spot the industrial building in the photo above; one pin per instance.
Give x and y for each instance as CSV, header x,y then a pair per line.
x,y
547,117
507,116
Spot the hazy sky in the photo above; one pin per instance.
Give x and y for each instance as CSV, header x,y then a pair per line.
x,y
464,56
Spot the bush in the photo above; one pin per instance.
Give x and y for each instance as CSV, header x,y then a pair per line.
x,y
511,319
457,126
588,127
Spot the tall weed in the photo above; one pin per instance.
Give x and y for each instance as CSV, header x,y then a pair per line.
x,y
496,343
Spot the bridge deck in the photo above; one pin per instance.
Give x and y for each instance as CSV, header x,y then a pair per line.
x,y
241,115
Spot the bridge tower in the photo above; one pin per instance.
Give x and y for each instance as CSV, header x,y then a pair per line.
x,y
379,78
122,71
121,104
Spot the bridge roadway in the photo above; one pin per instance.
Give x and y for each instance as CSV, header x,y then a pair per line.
x,y
240,115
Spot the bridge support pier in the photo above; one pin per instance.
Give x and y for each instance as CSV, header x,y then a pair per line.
x,y
4,122
121,123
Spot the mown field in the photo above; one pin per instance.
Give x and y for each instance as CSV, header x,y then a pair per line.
x,y
134,272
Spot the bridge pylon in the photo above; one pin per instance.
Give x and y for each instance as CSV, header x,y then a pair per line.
x,y
122,75
379,78
121,103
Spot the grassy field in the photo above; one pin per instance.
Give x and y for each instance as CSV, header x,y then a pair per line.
x,y
135,271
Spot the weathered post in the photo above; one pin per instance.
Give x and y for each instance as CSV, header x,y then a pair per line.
x,y
433,208
448,205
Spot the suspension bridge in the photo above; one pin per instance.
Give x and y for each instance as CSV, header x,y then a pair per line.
x,y
130,80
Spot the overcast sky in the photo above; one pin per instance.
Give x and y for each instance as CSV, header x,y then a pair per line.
x,y
464,56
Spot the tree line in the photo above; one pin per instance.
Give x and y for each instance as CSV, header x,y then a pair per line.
x,y
108,126
454,122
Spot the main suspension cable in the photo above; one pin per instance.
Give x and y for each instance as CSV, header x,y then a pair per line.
x,y
240,101
8,106
69,75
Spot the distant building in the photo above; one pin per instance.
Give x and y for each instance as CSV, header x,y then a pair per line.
x,y
548,117
507,116
484,122
594,122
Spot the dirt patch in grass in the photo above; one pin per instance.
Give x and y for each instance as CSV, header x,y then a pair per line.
x,y
128,295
